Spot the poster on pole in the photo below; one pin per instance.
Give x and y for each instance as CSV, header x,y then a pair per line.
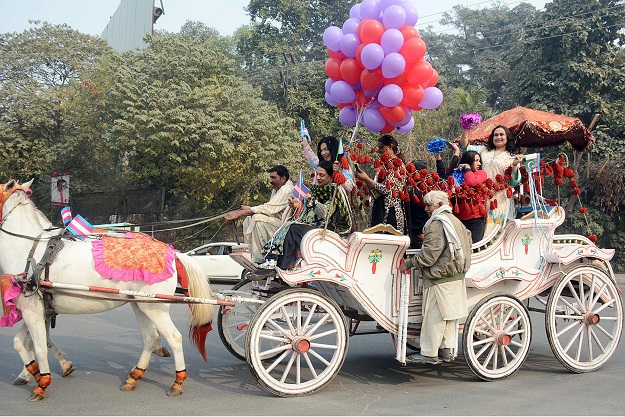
x,y
59,187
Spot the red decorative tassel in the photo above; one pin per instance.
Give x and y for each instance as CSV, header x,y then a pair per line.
x,y
509,193
558,181
388,185
338,178
592,237
577,191
344,163
377,163
582,210
367,159
573,183
353,157
367,203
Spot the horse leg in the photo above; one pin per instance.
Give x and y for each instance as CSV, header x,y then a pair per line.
x,y
24,346
151,340
66,366
159,315
32,312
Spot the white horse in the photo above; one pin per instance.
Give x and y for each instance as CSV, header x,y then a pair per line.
x,y
20,227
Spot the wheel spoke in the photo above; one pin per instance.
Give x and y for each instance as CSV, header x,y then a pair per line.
x,y
520,331
567,317
299,317
567,328
575,295
604,306
493,349
487,323
272,337
589,341
287,368
287,318
279,328
237,337
273,351
510,350
596,339
582,298
317,325
575,336
604,331
594,301
311,313
323,346
571,306
504,357
517,344
511,325
298,369
482,341
317,336
277,361
310,365
318,356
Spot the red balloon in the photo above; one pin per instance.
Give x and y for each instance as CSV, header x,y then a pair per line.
x,y
413,50
359,53
336,55
341,106
371,31
409,32
361,99
350,70
419,73
433,79
393,114
400,80
388,128
333,69
413,95
370,79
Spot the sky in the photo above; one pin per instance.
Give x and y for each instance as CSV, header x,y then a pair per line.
x,y
92,16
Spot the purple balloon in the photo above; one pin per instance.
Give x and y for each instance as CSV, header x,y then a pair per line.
x,y
385,4
370,9
348,116
349,45
392,65
355,11
357,86
332,38
372,56
331,101
412,15
373,120
374,104
394,17
407,127
372,93
405,120
392,41
390,95
432,98
328,84
343,92
351,26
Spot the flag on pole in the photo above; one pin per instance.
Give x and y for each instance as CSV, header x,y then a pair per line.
x,y
340,152
80,227
532,162
303,132
300,190
66,214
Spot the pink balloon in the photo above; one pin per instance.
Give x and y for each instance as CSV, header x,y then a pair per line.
x,y
372,56
412,15
392,41
432,98
390,95
394,17
332,38
393,65
407,127
348,116
373,120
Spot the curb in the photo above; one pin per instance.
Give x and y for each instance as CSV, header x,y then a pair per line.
x,y
620,279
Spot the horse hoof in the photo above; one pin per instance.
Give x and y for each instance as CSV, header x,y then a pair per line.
x,y
35,397
68,370
127,387
162,352
174,392
19,381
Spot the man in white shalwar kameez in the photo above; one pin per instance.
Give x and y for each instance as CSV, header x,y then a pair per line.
x,y
263,220
444,259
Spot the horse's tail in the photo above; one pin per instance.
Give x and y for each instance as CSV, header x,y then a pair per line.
x,y
201,314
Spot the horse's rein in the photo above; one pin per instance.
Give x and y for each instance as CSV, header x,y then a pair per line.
x,y
5,197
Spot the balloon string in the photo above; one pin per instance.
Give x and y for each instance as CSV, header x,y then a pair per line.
x,y
356,127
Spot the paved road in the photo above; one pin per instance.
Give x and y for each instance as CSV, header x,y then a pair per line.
x,y
104,347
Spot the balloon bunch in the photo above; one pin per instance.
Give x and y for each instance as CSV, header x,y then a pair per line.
x,y
377,74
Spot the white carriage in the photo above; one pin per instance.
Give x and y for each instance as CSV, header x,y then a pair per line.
x,y
295,338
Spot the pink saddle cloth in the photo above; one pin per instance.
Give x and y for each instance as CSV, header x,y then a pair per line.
x,y
134,257
9,291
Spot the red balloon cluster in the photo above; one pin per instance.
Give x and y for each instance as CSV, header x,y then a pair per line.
x,y
376,70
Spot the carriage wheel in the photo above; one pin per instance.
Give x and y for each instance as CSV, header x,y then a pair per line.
x,y
233,322
584,319
312,338
497,337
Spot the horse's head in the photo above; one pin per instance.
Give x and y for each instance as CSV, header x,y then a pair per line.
x,y
9,188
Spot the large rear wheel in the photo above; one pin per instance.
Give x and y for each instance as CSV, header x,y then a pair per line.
x,y
584,319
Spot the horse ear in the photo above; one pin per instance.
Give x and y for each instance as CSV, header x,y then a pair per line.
x,y
26,185
9,185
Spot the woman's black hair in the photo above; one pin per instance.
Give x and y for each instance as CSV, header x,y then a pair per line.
x,y
468,158
333,146
510,143
388,140
327,167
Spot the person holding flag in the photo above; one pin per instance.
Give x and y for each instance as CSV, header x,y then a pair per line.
x,y
263,220
329,149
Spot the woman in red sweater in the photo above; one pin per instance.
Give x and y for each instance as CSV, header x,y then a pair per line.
x,y
471,216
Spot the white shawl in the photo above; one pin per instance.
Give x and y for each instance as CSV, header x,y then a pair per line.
x,y
450,233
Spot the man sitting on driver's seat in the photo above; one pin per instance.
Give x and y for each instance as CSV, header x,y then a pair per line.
x,y
263,220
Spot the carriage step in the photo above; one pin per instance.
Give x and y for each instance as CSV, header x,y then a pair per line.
x,y
244,260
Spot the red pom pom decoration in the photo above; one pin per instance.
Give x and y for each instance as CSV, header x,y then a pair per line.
x,y
583,210
592,237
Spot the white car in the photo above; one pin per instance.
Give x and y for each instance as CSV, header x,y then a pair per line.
x,y
215,260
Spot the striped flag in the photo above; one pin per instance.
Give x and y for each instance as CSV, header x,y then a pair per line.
x,y
532,162
300,190
303,132
66,214
80,227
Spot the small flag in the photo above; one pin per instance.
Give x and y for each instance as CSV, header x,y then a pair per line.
x,y
80,227
300,190
340,152
532,162
66,214
303,132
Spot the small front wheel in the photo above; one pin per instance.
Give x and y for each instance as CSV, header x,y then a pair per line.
x,y
497,337
296,342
